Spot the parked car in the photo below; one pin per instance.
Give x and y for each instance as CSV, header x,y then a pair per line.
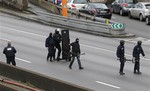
x,y
76,4
148,20
122,6
96,9
140,10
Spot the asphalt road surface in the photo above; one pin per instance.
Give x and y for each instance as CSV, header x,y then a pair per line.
x,y
100,63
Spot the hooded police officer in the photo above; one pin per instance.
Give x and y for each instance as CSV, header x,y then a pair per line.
x,y
75,49
136,55
120,54
57,39
10,51
49,43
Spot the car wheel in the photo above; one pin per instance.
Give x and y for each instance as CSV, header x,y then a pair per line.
x,y
141,17
147,21
121,12
130,16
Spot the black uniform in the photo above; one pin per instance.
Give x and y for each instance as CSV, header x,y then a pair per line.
x,y
50,44
136,54
75,53
57,39
120,54
10,51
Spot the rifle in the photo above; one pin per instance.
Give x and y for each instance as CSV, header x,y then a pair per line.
x,y
70,55
132,60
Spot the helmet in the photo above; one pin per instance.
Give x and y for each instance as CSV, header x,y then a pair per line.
x,y
57,30
77,39
9,43
122,42
139,42
50,34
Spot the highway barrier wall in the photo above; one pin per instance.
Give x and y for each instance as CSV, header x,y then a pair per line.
x,y
40,81
19,4
96,25
46,5
81,25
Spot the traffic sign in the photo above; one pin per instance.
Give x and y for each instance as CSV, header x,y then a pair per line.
x,y
118,26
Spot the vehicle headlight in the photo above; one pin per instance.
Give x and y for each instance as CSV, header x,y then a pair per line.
x,y
146,11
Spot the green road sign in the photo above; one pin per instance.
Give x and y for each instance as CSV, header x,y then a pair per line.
x,y
118,26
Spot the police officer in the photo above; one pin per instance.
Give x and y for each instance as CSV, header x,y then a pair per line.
x,y
10,51
136,55
49,43
120,54
75,53
57,39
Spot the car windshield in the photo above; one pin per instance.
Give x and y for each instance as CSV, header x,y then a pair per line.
x,y
100,5
80,1
147,6
131,1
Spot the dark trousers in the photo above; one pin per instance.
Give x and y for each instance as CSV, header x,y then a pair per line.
x,y
11,59
51,53
58,47
78,59
137,65
122,62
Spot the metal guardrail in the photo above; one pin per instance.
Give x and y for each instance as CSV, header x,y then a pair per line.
x,y
96,26
78,15
76,24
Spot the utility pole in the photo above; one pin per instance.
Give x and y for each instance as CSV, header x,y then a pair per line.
x,y
64,8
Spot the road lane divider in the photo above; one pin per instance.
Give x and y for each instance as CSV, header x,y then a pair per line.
x,y
3,39
106,84
102,49
23,60
106,50
21,31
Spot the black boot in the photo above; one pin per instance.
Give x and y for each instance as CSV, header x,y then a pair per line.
x,y
81,68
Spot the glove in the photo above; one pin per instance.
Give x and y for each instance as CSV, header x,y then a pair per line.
x,y
133,60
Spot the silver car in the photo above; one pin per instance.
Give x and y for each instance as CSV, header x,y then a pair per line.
x,y
140,10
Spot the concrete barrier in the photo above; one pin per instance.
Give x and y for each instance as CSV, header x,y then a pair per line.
x,y
19,4
40,81
46,5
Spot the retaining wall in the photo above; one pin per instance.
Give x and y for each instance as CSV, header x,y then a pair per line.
x,y
41,81
46,5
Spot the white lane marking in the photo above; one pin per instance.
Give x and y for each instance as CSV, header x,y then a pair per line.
x,y
108,85
81,44
22,60
3,39
15,57
145,41
23,31
102,49
98,48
